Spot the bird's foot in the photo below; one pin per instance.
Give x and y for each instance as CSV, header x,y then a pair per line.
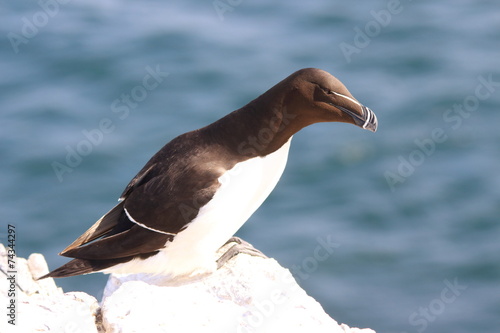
x,y
240,246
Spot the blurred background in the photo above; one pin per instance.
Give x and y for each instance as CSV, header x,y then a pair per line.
x,y
414,208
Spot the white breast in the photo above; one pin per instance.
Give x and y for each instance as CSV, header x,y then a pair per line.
x,y
243,189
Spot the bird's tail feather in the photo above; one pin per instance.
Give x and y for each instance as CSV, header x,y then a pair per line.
x,y
82,266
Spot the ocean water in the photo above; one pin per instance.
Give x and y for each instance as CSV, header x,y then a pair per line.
x,y
412,211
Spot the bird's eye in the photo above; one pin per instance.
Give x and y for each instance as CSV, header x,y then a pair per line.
x,y
326,90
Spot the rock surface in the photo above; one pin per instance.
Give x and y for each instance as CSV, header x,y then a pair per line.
x,y
248,294
42,306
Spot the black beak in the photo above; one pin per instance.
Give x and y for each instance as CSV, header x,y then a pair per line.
x,y
367,121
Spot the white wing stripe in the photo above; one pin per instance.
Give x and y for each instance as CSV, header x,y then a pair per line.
x,y
145,226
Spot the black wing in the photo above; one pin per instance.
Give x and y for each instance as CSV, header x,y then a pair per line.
x,y
158,203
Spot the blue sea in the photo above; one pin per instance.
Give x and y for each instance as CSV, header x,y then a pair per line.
x,y
90,90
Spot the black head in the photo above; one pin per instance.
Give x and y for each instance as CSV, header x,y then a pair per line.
x,y
318,96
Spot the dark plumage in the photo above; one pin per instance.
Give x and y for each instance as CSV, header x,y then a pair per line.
x,y
178,186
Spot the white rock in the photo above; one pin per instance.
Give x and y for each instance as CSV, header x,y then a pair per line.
x,y
249,294
42,306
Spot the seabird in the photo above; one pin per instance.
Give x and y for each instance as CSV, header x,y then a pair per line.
x,y
195,193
